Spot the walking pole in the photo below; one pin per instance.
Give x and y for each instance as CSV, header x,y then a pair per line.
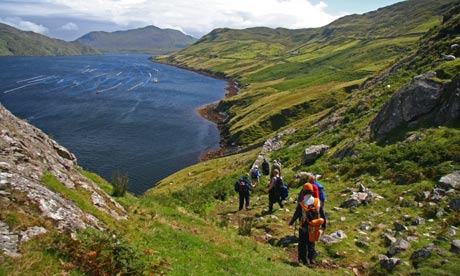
x,y
295,227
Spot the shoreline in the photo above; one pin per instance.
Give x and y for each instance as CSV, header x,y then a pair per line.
x,y
209,112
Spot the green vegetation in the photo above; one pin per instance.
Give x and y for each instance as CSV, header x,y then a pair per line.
x,y
14,42
328,84
149,39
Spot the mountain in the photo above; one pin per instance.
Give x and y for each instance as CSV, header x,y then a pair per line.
x,y
288,74
14,42
149,39
386,144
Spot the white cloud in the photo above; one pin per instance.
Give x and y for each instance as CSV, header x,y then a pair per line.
x,y
191,16
24,25
70,27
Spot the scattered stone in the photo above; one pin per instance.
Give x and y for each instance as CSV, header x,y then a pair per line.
x,y
400,227
455,204
399,246
419,220
455,246
451,232
361,244
388,239
333,238
366,226
388,263
357,199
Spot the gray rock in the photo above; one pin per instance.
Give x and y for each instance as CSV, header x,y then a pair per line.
x,y
399,246
361,244
423,100
455,246
357,199
333,238
388,239
422,196
26,154
421,254
399,227
388,263
450,181
419,220
31,232
312,153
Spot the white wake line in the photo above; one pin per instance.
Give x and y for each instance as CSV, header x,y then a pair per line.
x,y
135,86
30,79
37,80
119,73
110,88
17,88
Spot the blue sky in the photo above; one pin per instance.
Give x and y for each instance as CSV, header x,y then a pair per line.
x,y
70,19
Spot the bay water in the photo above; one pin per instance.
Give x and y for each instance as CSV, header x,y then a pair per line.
x,y
115,112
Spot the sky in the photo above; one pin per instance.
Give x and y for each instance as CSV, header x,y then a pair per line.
x,y
71,19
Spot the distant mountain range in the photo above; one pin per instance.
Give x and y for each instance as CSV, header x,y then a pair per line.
x,y
14,42
150,39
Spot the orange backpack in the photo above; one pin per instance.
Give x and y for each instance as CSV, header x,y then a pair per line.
x,y
314,225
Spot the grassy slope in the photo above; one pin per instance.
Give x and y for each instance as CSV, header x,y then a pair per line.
x,y
20,43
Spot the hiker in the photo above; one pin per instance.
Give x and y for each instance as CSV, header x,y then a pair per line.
x,y
265,167
322,199
274,191
318,192
307,212
242,187
276,166
255,174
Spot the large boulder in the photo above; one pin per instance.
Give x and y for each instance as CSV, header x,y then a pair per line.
x,y
422,101
312,153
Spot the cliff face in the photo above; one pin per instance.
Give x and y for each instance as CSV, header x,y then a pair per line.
x,y
27,157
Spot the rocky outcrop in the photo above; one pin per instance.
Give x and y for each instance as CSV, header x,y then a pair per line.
x,y
272,144
312,153
27,156
423,101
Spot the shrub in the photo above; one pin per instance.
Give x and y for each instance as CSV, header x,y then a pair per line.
x,y
95,252
120,183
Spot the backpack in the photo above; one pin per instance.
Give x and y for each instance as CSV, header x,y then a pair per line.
x,y
284,192
265,168
279,185
255,173
240,186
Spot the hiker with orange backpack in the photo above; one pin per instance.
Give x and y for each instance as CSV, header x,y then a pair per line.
x,y
307,212
318,192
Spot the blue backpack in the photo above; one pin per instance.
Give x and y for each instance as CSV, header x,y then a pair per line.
x,y
284,192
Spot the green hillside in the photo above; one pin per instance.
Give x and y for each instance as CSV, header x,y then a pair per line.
x,y
287,74
14,42
330,86
149,39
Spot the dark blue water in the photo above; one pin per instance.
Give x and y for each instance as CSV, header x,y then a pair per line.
x,y
111,115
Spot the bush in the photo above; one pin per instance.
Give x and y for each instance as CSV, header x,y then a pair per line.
x,y
120,183
95,252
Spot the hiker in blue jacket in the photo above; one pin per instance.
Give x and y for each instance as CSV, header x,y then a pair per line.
x,y
243,186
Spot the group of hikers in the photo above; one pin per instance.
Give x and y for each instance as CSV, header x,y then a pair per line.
x,y
309,210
